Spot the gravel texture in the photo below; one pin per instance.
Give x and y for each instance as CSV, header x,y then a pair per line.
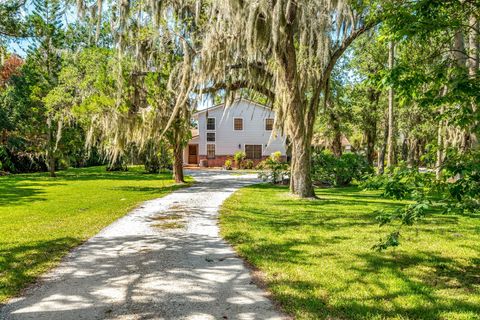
x,y
164,260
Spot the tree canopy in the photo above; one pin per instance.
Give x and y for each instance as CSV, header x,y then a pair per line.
x,y
397,80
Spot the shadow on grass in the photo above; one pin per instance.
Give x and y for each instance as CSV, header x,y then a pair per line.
x,y
24,188
20,264
100,173
278,238
446,274
17,192
91,173
303,294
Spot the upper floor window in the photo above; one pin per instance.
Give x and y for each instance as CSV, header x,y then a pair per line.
x,y
269,124
210,123
238,124
210,136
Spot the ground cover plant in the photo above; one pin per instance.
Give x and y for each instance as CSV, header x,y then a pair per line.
x,y
43,218
316,256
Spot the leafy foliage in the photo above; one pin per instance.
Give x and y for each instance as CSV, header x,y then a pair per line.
x,y
239,158
338,171
228,164
12,24
457,192
156,157
399,183
274,169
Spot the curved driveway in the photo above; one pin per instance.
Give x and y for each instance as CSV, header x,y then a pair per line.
x,y
164,260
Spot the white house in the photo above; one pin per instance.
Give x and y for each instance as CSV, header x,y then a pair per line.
x,y
244,126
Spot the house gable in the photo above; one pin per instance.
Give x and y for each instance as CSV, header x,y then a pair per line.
x,y
252,132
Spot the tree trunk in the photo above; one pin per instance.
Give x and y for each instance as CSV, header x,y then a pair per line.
x,y
440,146
383,150
371,136
301,179
178,163
300,133
391,131
405,145
301,141
99,21
337,135
300,118
412,153
334,125
461,58
370,131
473,65
459,49
50,147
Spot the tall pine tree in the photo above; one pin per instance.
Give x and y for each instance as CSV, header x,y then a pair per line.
x,y
45,57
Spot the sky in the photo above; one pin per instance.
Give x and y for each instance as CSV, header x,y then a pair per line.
x,y
20,46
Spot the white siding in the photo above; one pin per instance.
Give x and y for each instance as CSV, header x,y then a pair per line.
x,y
229,141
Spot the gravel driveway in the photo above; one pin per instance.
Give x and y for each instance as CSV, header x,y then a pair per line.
x,y
164,260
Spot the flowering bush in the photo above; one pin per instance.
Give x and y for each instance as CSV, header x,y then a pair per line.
x,y
273,169
228,164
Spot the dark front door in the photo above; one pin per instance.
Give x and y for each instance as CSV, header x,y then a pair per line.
x,y
193,154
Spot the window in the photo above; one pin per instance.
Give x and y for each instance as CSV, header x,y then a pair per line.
x,y
238,124
210,151
210,136
253,151
269,124
210,123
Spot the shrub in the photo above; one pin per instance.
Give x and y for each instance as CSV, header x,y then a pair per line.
x,y
399,183
396,189
14,160
239,158
247,164
118,165
373,182
461,184
228,164
330,170
274,169
157,158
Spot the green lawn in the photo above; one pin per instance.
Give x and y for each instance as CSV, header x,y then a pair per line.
x,y
42,218
316,258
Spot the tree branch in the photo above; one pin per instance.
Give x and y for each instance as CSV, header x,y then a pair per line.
x,y
256,65
237,85
336,54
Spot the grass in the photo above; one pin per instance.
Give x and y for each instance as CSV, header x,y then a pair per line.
x,y
315,256
42,218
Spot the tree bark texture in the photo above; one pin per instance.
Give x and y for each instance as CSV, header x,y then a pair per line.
x,y
440,146
301,180
336,144
473,66
383,149
299,120
391,123
50,147
178,164
370,129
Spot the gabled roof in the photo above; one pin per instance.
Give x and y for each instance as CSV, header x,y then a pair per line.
x,y
221,105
